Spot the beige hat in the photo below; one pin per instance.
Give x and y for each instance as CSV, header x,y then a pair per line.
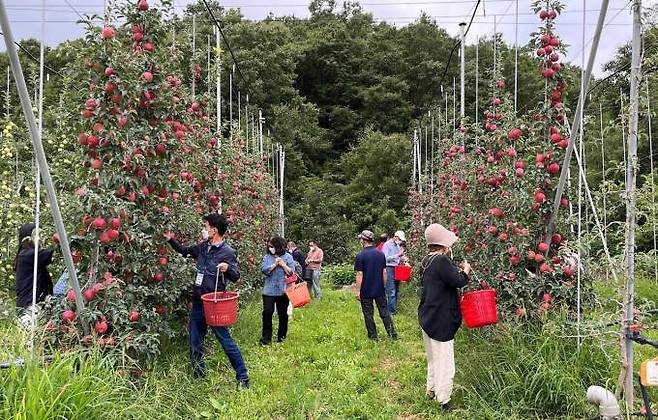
x,y
436,234
400,235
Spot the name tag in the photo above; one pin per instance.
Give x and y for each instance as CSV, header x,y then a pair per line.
x,y
199,279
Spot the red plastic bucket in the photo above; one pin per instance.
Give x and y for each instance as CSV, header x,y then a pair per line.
x,y
298,294
220,308
402,272
479,308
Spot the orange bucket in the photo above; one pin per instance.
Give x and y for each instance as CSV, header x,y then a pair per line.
x,y
298,294
220,308
402,273
479,308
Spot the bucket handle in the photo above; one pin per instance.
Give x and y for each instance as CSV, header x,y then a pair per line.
x,y
475,277
214,296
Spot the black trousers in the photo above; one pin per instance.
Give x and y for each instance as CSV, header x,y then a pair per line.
x,y
367,306
281,303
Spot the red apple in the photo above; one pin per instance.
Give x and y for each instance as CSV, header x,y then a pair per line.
x,y
99,223
107,32
68,315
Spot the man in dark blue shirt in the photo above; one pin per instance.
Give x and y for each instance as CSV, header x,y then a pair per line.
x,y
216,261
370,267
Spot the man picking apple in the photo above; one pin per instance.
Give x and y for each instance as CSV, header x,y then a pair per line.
x,y
213,254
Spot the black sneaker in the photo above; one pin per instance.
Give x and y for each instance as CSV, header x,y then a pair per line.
x,y
445,408
263,343
394,337
243,384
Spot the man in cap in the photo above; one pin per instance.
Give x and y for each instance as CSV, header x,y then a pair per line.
x,y
370,267
393,252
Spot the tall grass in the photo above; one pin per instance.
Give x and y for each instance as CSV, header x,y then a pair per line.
x,y
531,371
76,386
327,368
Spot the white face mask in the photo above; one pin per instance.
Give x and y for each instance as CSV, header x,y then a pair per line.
x,y
272,250
204,234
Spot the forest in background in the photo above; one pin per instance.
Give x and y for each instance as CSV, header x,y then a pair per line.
x,y
343,93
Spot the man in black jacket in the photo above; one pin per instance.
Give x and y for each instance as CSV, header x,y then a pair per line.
x,y
216,260
299,257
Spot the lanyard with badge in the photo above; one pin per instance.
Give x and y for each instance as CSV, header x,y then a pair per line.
x,y
199,274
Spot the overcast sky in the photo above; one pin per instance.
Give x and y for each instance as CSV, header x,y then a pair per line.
x,y
61,17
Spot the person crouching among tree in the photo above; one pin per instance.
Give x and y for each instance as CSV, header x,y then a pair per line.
x,y
215,260
439,314
276,266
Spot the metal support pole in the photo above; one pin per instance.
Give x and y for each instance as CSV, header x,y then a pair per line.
x,y
495,50
516,57
605,207
40,154
432,159
578,116
208,64
193,64
413,174
230,100
282,166
454,102
622,115
653,184
37,187
260,133
477,80
631,174
218,91
462,73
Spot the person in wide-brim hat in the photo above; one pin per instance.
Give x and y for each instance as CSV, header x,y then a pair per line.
x,y
438,313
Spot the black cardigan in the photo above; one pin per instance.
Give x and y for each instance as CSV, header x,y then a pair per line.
x,y
24,271
439,314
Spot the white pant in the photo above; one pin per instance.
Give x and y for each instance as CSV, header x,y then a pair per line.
x,y
440,367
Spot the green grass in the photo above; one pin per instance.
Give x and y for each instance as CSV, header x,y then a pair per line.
x,y
327,368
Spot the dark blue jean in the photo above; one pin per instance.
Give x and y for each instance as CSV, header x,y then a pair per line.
x,y
198,330
391,290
